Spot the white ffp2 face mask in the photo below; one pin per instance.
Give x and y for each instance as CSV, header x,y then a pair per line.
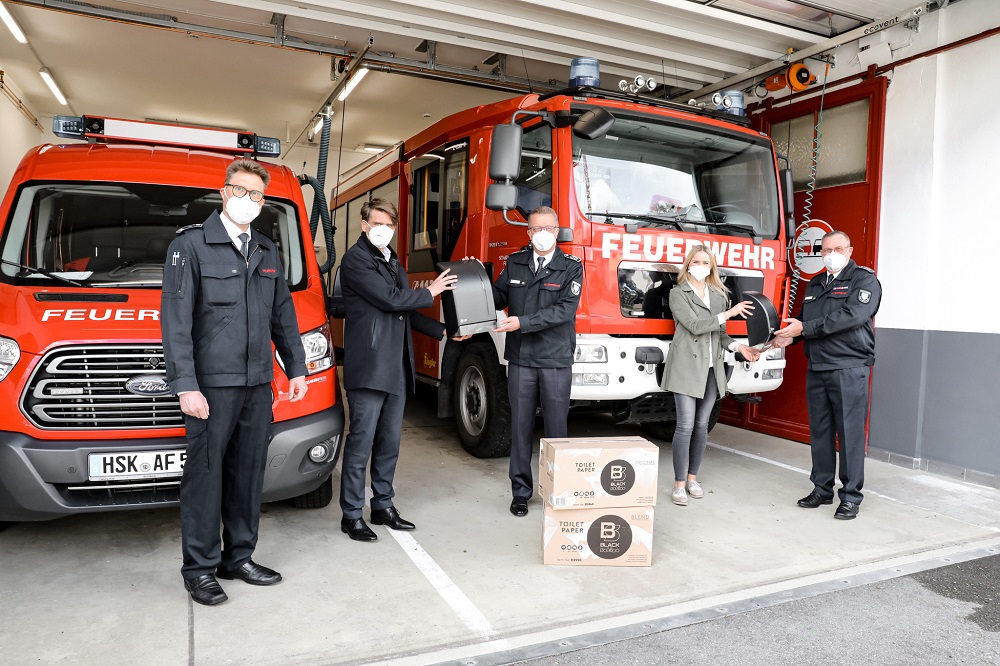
x,y
834,262
543,240
699,273
380,235
242,210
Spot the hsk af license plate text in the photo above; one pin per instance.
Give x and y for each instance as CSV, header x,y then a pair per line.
x,y
140,465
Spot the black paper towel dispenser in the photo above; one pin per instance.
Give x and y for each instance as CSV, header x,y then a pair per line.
x,y
468,308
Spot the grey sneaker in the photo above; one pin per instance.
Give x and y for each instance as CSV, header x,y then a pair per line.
x,y
694,490
679,496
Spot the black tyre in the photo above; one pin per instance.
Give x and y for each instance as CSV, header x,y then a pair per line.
x,y
664,430
479,398
317,499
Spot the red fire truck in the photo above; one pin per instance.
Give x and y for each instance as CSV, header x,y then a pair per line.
x,y
87,421
635,182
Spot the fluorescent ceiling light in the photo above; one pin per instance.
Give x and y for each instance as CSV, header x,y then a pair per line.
x,y
318,127
51,83
369,148
12,25
353,83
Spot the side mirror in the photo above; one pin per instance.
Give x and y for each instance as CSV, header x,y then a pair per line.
x,y
335,301
593,124
505,152
501,196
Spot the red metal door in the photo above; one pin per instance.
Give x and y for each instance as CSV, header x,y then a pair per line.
x,y
846,201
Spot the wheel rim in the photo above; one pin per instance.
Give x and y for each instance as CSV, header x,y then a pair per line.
x,y
472,403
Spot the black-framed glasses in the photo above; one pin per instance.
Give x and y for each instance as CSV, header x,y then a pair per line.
x,y
256,196
535,230
839,250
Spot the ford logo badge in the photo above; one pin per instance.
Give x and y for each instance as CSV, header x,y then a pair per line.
x,y
151,385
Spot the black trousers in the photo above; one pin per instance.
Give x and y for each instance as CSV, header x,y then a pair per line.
x,y
376,426
223,477
525,385
838,408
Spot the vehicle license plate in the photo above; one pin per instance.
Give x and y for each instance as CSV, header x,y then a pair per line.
x,y
136,465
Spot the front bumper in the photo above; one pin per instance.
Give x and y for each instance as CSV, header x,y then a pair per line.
x,y
44,479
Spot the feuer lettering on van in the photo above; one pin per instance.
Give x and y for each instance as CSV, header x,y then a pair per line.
x,y
661,247
101,314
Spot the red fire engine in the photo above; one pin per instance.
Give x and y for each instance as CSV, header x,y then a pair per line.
x,y
87,421
635,182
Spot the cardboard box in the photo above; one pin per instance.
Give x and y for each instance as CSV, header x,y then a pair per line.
x,y
598,537
609,472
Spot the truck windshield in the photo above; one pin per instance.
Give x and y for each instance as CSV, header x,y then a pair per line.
x,y
653,173
117,234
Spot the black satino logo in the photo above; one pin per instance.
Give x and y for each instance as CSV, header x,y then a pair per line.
x,y
609,537
617,477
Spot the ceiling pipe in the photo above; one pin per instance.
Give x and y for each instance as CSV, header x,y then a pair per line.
x,y
818,49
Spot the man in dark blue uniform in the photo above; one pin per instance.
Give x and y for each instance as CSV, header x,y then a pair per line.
x,y
836,324
224,300
540,287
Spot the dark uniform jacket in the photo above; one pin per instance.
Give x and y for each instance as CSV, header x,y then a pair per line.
x,y
546,306
219,315
380,309
837,318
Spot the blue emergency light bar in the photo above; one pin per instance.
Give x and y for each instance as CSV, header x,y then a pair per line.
x,y
98,128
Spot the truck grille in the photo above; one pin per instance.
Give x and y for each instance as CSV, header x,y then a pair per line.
x,y
101,387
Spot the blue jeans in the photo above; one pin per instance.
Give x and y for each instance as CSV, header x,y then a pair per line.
x,y
691,433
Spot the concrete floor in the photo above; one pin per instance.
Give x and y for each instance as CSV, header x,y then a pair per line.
x,y
468,586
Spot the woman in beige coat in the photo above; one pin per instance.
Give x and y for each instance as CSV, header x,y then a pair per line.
x,y
695,373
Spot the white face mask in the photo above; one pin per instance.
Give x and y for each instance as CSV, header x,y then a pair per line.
x,y
380,235
242,210
543,240
834,262
699,273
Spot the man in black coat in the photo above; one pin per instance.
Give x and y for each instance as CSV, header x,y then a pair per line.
x,y
836,324
224,301
540,287
380,309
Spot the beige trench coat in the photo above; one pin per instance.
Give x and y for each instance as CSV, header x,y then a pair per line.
x,y
698,336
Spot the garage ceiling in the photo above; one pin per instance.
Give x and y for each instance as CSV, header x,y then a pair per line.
x,y
268,65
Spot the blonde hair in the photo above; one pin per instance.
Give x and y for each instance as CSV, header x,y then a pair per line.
x,y
714,280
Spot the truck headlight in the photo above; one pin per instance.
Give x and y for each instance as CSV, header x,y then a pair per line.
x,y
775,353
319,350
10,354
590,354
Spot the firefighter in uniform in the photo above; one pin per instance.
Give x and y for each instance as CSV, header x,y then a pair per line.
x,y
224,300
836,324
540,287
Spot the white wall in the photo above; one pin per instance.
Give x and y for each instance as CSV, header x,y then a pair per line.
x,y
17,135
939,213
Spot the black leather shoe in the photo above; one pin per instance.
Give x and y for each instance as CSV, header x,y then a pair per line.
x,y
846,511
357,529
205,590
390,518
251,572
519,506
813,500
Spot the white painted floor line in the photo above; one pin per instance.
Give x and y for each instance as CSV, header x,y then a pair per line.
x,y
452,595
760,458
463,607
867,491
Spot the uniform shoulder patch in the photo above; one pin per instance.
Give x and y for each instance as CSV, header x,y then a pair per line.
x,y
865,268
190,226
572,257
523,249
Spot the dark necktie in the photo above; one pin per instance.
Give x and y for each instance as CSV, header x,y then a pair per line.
x,y
540,266
244,244
829,278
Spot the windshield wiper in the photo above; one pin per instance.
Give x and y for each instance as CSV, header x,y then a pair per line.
x,y
750,230
656,219
46,273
